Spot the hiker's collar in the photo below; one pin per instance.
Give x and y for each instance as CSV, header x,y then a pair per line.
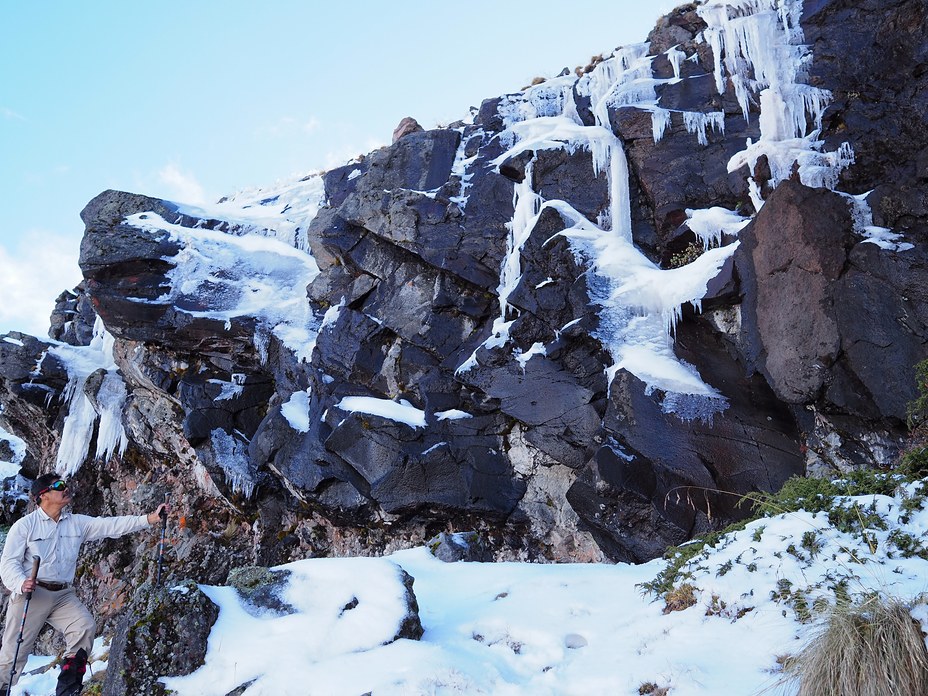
x,y
62,515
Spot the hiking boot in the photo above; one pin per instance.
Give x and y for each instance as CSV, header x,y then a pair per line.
x,y
72,674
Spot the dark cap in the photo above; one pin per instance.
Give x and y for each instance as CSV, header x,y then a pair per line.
x,y
41,483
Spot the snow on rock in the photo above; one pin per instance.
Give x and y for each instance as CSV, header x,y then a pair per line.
x,y
228,390
521,628
296,411
349,614
222,276
283,211
452,414
401,412
17,447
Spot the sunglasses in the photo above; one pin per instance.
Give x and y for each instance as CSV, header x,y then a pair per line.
x,y
58,485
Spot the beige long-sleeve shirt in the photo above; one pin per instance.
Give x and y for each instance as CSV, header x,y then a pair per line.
x,y
56,543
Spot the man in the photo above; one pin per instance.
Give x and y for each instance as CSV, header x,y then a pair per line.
x,y
55,536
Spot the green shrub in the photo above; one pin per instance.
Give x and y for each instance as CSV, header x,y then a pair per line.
x,y
918,409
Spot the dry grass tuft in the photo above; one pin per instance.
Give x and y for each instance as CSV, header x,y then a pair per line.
x,y
680,598
875,649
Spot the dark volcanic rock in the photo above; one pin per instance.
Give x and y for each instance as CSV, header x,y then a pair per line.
x,y
32,381
73,318
790,258
497,328
820,306
452,548
163,634
259,588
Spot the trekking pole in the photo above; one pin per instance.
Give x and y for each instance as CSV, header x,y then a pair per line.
x,y
22,626
164,526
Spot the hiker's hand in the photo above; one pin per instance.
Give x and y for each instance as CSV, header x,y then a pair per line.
x,y
156,515
28,586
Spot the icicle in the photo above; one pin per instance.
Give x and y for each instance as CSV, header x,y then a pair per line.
x,y
620,206
111,437
696,122
676,58
660,122
232,456
78,429
758,43
525,204
710,224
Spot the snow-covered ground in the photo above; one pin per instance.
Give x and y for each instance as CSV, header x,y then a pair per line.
x,y
513,628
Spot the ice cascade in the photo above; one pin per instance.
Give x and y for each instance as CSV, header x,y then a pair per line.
x,y
639,302
84,410
757,44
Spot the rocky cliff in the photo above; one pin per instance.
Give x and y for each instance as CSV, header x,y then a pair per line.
x,y
582,323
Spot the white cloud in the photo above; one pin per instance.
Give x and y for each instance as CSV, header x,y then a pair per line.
x,y
181,186
32,276
289,126
10,114
337,158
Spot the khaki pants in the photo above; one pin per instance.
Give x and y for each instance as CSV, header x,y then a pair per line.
x,y
62,610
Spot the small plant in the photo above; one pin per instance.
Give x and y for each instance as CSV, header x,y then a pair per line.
x,y
679,556
913,464
652,689
918,409
686,256
874,649
907,544
680,598
810,542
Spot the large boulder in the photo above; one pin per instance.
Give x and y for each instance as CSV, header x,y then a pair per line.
x,y
163,633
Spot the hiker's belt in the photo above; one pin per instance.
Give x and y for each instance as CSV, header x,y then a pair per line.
x,y
53,586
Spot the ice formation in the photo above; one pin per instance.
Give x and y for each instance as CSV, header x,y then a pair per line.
x,y
18,449
232,456
640,303
86,410
222,276
757,46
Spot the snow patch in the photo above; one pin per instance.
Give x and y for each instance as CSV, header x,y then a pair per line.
x,y
452,414
401,411
296,411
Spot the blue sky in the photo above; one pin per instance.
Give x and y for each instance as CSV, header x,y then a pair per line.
x,y
190,100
